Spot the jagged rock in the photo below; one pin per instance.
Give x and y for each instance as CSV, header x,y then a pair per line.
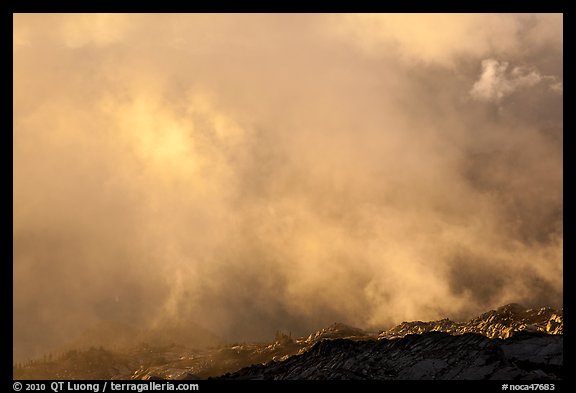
x,y
499,323
432,355
441,349
188,377
336,330
152,377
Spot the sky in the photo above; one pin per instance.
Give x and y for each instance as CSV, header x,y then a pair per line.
x,y
249,173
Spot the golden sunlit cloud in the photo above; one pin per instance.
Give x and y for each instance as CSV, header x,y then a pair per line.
x,y
256,172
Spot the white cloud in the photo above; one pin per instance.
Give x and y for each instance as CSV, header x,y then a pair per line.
x,y
557,87
495,83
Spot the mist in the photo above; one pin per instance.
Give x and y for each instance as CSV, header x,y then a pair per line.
x,y
250,173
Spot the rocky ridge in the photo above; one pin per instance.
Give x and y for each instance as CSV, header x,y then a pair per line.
x,y
499,323
426,356
509,342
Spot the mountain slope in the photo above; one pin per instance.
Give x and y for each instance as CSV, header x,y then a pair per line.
x,y
499,323
431,355
509,342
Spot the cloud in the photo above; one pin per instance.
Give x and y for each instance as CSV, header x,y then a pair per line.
x,y
557,87
444,39
495,84
255,172
79,30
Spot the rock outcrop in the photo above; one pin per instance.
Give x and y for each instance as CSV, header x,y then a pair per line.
x,y
510,342
427,356
499,323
